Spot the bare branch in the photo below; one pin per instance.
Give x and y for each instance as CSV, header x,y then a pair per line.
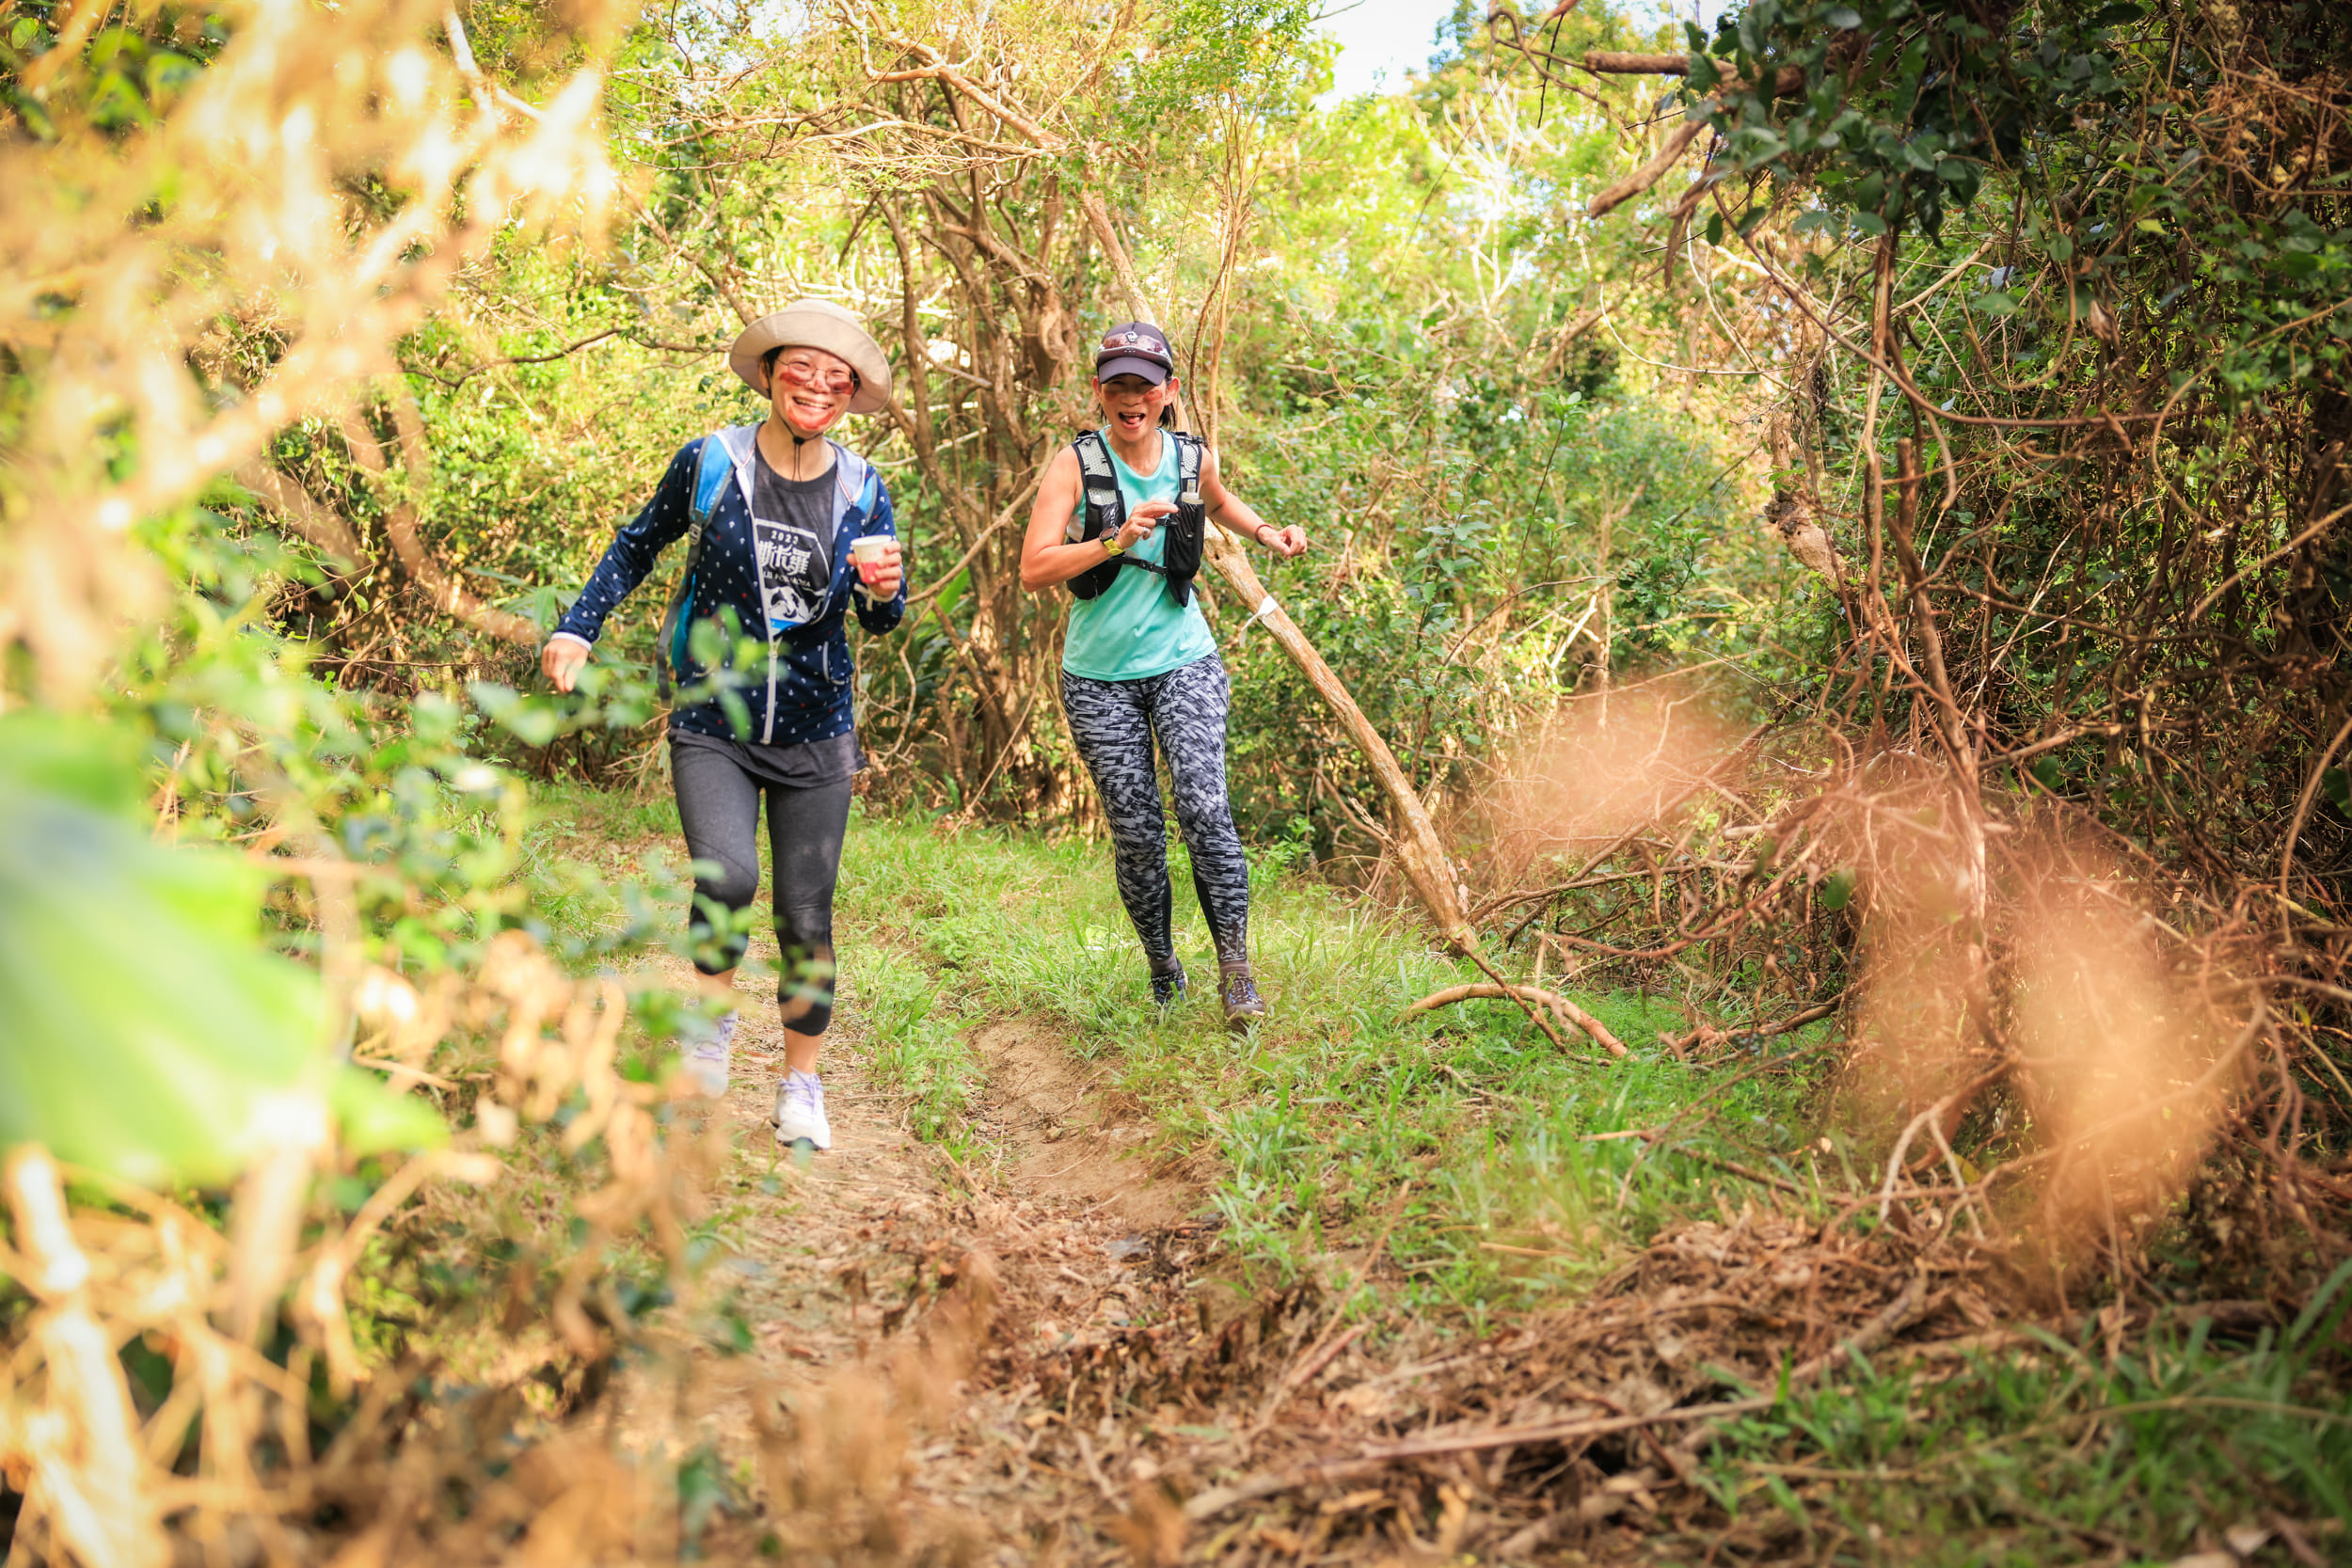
x,y
1492,990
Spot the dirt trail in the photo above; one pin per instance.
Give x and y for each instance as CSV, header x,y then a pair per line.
x,y
1066,1136
842,1255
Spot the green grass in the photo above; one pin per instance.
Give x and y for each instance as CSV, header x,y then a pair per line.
x,y
920,1042
1332,1112
2057,1454
592,818
593,892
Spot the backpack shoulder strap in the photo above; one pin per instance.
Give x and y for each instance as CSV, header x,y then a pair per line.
x,y
1094,456
858,480
722,451
1105,510
1189,448
715,467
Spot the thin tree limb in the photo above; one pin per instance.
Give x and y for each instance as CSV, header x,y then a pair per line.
x,y
1493,991
1648,174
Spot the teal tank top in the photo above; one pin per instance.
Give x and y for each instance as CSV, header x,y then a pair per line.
x,y
1131,629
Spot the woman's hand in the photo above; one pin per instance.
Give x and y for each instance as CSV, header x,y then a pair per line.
x,y
1142,520
561,661
1284,542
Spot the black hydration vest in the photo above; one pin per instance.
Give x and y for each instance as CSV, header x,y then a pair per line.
x,y
1105,513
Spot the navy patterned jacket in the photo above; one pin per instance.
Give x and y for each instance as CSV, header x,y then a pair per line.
x,y
804,691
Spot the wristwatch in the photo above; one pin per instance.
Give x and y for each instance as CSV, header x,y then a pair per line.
x,y
1111,545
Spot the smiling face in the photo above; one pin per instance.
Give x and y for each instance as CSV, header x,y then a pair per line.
x,y
1131,405
810,388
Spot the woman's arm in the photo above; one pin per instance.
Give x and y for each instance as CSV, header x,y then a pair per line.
x,y
1046,558
1237,517
626,562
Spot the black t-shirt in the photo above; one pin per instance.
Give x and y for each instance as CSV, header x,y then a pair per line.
x,y
792,523
792,527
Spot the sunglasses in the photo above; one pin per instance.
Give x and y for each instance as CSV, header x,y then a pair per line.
x,y
1141,344
801,372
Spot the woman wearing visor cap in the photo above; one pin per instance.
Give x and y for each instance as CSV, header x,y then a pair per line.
x,y
785,528
1118,521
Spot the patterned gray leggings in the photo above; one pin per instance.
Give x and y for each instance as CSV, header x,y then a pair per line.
x,y
1114,723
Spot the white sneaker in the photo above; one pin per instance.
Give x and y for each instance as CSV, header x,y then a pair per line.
x,y
706,1061
801,1111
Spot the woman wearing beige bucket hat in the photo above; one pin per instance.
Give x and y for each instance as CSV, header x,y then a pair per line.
x,y
785,529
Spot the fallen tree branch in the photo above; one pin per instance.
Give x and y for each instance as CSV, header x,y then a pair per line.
x,y
1557,1431
1891,1320
1217,1499
1419,850
1811,1015
1503,991
302,511
1524,1005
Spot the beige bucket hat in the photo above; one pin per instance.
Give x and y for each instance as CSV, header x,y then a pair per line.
x,y
816,324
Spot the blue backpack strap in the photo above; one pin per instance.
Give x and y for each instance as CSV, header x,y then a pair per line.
x,y
723,453
714,465
856,470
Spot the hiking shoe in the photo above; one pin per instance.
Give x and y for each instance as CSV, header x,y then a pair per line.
x,y
1243,1004
706,1060
800,1116
1167,988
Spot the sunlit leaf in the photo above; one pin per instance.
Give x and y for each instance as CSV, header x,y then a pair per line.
x,y
145,1029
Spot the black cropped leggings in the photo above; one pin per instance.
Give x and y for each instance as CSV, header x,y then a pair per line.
x,y
718,805
1114,724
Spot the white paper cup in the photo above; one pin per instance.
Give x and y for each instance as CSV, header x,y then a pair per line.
x,y
866,553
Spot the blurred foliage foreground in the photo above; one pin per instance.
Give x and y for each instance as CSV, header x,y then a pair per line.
x,y
335,339
240,909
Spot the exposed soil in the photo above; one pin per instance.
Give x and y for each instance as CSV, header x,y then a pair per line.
x,y
845,1258
1067,1137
